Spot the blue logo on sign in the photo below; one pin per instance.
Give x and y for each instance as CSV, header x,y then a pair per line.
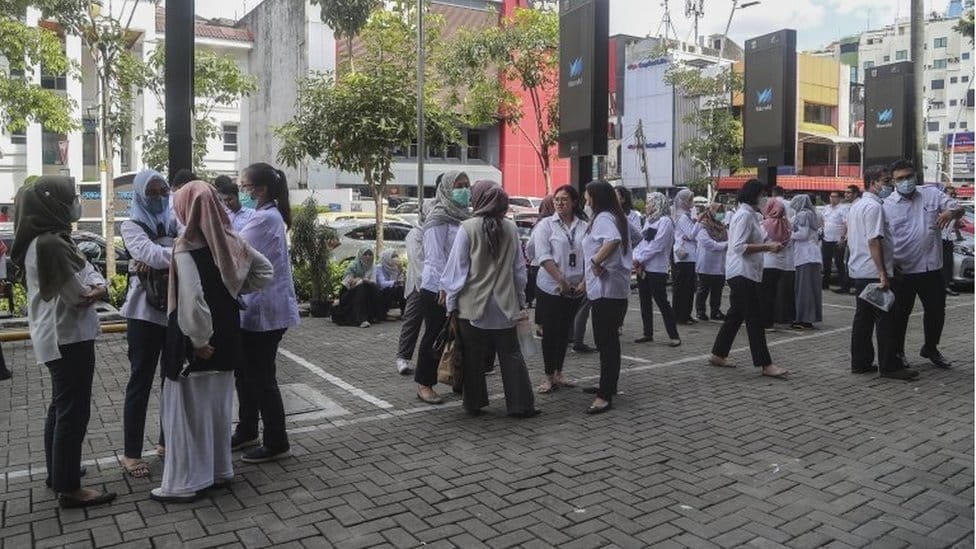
x,y
576,68
764,97
885,116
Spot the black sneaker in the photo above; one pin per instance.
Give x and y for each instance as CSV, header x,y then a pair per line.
x,y
937,359
904,374
584,348
264,455
239,442
718,316
865,370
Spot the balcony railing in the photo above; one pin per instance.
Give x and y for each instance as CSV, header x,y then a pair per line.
x,y
845,169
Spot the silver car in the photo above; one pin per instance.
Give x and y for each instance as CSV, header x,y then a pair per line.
x,y
355,235
962,264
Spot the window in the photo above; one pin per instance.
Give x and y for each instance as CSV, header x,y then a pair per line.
x,y
939,64
963,125
18,137
941,42
51,148
230,137
953,80
454,151
850,47
868,64
933,126
965,79
901,55
53,81
88,148
965,55
938,84
952,102
474,145
952,125
817,114
886,59
937,105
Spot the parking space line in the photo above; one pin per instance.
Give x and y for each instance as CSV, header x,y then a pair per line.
x,y
351,389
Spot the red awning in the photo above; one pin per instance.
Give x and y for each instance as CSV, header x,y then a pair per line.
x,y
794,183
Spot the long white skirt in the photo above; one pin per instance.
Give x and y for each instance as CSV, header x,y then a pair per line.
x,y
196,416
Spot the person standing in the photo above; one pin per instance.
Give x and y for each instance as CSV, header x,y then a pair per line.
x,y
950,235
211,266
558,244
62,289
743,271
546,210
626,199
608,259
685,256
411,317
916,216
443,222
266,316
834,243
776,289
651,259
806,257
710,267
483,282
6,290
148,236
234,201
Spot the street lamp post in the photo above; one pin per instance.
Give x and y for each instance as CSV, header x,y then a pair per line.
x,y
421,149
725,36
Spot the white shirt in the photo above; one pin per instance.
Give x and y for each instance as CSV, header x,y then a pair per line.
x,y
157,255
806,250
415,260
865,223
62,320
835,221
239,218
916,238
615,282
383,280
744,229
634,218
554,241
685,239
655,255
438,241
711,255
782,260
456,274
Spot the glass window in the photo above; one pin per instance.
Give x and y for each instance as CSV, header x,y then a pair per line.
x,y
53,81
886,59
952,125
849,47
901,55
941,42
952,103
817,114
18,137
965,79
474,145
963,125
88,148
868,64
953,80
933,126
939,64
965,55
51,148
938,84
230,137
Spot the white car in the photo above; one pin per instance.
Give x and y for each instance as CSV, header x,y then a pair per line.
x,y
353,236
523,205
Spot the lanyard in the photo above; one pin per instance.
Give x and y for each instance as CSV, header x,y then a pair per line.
x,y
571,237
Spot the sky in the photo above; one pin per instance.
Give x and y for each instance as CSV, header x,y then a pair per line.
x,y
818,22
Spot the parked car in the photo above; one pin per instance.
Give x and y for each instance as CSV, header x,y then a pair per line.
x,y
963,264
90,244
408,207
523,204
355,235
332,218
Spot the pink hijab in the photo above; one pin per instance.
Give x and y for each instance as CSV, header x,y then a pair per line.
x,y
775,222
199,209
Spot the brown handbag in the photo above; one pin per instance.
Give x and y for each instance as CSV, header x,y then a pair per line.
x,y
449,344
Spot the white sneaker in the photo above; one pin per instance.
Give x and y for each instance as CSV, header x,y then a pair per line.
x,y
365,324
402,364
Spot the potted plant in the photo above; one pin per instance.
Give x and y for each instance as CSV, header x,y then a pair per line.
x,y
311,247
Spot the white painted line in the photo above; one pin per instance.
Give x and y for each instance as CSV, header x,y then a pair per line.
x,y
635,359
355,391
851,307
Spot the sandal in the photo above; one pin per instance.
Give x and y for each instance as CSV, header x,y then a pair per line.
x,y
136,469
563,382
547,387
780,375
161,451
720,362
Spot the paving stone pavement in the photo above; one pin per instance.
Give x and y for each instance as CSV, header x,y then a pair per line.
x,y
691,455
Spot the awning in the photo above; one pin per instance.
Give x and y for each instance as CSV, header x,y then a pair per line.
x,y
794,183
826,139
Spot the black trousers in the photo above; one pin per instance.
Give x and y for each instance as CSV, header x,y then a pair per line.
x,y
776,294
480,346
833,253
709,288
410,329
869,321
145,341
257,390
930,289
427,358
745,307
557,315
68,414
608,315
653,287
531,293
948,261
3,361
683,290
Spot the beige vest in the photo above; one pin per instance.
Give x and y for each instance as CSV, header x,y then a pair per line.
x,y
488,276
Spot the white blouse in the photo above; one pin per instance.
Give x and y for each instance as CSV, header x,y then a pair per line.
x,y
744,229
614,283
157,255
438,241
554,241
685,239
711,255
655,255
456,274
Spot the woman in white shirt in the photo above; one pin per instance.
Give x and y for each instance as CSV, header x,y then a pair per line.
x,y
62,289
808,259
685,256
608,260
651,259
411,317
776,288
484,284
743,271
389,281
712,244
626,199
558,246
440,228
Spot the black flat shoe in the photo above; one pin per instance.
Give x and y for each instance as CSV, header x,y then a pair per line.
x,y
174,499
525,415
591,390
599,409
904,374
583,349
473,413
68,502
866,370
645,339
936,358
718,316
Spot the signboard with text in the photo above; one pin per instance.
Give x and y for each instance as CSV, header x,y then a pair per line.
x,y
889,113
769,110
583,86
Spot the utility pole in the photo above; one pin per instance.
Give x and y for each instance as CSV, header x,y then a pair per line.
x,y
641,142
421,149
179,83
918,67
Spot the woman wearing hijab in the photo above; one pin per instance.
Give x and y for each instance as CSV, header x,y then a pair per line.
x,y
806,256
776,289
608,260
651,259
389,281
148,236
484,282
710,267
743,271
212,265
685,256
267,315
62,288
359,296
443,222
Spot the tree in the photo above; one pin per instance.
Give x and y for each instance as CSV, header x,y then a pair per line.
x,y
717,143
965,25
347,18
218,81
524,51
355,121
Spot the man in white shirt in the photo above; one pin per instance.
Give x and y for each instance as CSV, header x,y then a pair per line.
x,y
871,261
230,196
949,237
915,216
834,245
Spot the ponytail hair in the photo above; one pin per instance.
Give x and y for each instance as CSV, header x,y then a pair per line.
x,y
262,174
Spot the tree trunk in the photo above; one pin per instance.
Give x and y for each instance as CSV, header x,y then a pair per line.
x,y
349,52
107,165
378,204
547,174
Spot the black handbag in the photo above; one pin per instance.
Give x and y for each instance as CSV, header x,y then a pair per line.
x,y
156,281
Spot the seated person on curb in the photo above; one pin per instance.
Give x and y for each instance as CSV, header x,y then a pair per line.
x,y
360,303
389,280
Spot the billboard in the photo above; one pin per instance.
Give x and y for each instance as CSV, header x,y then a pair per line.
x,y
889,113
583,85
650,103
769,110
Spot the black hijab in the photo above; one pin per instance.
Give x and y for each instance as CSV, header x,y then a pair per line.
x,y
42,211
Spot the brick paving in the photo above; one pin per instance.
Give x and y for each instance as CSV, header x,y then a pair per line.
x,y
691,456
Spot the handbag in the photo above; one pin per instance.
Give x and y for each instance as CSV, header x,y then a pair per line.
x,y
156,281
448,343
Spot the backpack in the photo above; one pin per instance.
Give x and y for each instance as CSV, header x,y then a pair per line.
x,y
156,281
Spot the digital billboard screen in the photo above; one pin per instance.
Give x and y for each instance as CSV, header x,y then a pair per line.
x,y
889,119
583,84
769,107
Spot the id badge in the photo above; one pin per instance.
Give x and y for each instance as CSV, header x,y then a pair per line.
x,y
572,260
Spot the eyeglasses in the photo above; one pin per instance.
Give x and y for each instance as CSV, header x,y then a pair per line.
x,y
562,200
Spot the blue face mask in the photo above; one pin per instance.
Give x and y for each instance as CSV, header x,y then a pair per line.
x,y
720,217
906,187
246,200
157,204
461,197
886,191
